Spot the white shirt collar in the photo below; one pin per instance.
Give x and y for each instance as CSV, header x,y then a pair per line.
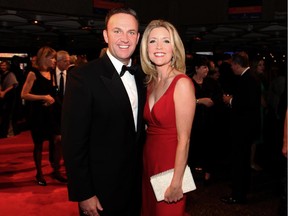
x,y
58,71
117,64
245,70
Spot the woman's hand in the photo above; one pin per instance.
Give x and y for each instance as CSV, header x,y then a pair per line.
x,y
173,194
208,102
48,100
227,99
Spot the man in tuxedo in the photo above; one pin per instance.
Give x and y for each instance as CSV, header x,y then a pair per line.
x,y
102,126
245,126
55,150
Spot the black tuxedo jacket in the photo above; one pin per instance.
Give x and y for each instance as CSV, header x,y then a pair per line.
x,y
246,105
102,151
57,106
245,127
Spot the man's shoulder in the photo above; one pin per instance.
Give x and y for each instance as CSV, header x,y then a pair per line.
x,y
98,62
9,75
89,66
93,68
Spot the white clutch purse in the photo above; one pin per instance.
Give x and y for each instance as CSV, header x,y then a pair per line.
x,y
161,181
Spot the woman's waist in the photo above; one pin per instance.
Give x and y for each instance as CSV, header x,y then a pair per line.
x,y
156,130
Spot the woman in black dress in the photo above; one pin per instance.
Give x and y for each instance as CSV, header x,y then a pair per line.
x,y
39,89
204,130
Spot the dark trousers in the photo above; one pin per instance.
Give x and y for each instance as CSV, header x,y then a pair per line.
x,y
241,171
7,111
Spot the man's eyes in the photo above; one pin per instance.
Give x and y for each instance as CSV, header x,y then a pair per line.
x,y
119,31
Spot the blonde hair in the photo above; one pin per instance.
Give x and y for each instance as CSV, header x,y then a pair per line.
x,y
42,54
178,59
73,59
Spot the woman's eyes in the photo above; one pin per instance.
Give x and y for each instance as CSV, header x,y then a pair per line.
x,y
164,41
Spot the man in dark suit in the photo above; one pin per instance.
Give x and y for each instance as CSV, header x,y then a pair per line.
x,y
102,126
245,125
55,149
227,78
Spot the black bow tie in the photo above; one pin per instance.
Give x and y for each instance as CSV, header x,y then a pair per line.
x,y
131,70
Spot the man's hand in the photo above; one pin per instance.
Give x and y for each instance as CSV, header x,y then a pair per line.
x,y
91,206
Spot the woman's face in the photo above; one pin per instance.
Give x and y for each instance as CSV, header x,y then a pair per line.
x,y
202,70
50,62
160,49
261,66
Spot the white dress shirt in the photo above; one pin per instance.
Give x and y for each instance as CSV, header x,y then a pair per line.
x,y
58,77
130,85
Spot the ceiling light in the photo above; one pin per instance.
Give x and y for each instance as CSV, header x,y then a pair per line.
x,y
35,22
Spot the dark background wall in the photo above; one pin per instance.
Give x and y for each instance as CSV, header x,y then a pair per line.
x,y
77,26
73,7
199,12
177,11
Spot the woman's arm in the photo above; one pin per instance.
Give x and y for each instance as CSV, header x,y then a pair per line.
x,y
26,95
185,105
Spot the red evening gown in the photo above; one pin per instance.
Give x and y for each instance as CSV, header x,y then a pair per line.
x,y
159,151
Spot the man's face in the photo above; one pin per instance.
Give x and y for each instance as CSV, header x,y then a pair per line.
x,y
235,68
64,63
3,66
122,36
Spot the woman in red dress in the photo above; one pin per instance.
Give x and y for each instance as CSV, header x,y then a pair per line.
x,y
169,113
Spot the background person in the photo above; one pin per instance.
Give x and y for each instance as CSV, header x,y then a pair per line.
x,y
258,68
204,134
245,126
40,89
8,96
60,74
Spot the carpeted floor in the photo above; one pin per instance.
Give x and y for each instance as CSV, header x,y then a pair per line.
x,y
19,194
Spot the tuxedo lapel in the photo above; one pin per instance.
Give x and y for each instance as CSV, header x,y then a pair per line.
x,y
139,78
113,83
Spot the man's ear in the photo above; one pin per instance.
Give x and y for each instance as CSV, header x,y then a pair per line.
x,y
105,35
138,37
